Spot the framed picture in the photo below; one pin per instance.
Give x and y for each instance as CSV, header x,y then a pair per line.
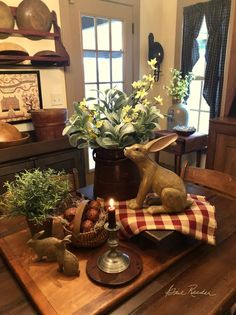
x,y
20,92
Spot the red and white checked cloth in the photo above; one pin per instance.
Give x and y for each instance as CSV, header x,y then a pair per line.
x,y
198,220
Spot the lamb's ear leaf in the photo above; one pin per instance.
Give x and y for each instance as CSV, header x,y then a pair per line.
x,y
161,143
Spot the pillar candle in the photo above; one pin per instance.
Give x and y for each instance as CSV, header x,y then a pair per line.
x,y
111,215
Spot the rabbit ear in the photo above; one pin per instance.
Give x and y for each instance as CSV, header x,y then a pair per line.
x,y
66,239
161,143
37,235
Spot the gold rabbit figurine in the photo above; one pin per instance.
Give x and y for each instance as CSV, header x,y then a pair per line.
x,y
165,183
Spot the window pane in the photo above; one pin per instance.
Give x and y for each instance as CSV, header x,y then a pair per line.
x,y
91,160
104,86
104,66
204,105
195,94
193,118
118,86
204,122
103,34
90,90
117,66
90,73
199,68
116,35
88,32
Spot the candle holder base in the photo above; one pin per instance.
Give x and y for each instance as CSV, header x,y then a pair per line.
x,y
114,279
113,262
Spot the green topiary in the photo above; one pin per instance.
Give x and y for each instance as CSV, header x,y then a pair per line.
x,y
35,194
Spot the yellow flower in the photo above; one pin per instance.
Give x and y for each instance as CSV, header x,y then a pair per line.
x,y
90,118
137,84
99,124
126,108
159,100
152,63
145,102
127,119
149,78
141,94
83,104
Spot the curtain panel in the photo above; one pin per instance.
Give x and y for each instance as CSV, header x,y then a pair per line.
x,y
217,13
193,16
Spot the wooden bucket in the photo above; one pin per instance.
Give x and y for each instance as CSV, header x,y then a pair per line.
x,y
115,176
49,123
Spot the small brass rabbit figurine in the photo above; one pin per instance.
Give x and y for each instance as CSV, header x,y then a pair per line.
x,y
54,249
165,183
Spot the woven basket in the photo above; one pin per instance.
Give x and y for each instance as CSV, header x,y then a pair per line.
x,y
94,238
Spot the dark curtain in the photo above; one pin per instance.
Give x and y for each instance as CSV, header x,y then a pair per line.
x,y
193,16
217,14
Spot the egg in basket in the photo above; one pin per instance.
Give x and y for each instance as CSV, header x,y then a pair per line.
x,y
85,223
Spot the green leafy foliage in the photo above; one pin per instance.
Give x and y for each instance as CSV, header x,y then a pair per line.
x,y
179,85
115,120
35,194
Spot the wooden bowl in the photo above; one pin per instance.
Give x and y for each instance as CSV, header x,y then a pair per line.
x,y
22,140
11,49
48,54
6,19
33,15
9,132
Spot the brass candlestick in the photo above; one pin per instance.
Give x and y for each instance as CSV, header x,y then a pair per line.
x,y
113,260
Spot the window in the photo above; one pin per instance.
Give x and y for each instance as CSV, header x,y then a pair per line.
x,y
199,111
102,54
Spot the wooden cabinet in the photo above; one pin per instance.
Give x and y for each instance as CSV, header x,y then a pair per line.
x,y
57,154
8,171
221,154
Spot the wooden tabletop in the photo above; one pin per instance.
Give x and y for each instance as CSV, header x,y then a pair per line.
x,y
202,282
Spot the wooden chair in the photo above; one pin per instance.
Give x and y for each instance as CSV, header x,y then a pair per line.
x,y
73,179
216,180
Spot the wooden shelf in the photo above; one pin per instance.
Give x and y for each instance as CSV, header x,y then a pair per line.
x,y
43,61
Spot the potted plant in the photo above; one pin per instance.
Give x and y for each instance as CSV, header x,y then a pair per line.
x,y
109,123
178,89
36,195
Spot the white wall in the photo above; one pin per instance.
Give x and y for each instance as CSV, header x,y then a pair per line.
x,y
159,17
52,79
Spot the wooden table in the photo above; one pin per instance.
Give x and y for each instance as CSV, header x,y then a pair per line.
x,y
197,142
202,282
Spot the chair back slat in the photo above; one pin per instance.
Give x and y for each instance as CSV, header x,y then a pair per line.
x,y
221,182
73,180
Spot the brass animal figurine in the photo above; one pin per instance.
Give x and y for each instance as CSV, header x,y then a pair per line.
x,y
44,248
67,261
165,183
54,249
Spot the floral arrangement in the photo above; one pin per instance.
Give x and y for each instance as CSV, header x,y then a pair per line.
x,y
115,120
179,85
